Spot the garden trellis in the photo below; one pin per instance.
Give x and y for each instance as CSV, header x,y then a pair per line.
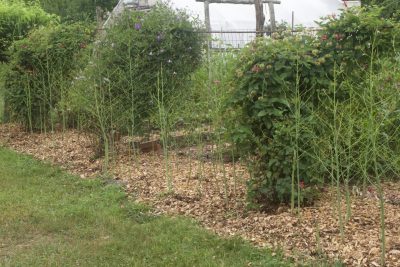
x,y
260,19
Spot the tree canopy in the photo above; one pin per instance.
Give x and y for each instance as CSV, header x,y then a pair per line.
x,y
16,20
76,9
390,8
72,9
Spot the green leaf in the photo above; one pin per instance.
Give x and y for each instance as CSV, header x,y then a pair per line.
x,y
262,113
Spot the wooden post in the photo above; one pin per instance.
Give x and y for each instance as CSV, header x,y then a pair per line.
x,y
208,23
292,22
260,18
272,16
99,18
207,15
209,40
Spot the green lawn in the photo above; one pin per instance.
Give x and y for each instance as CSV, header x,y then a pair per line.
x,y
51,218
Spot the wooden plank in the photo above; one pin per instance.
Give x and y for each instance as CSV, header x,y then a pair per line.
x,y
272,16
260,18
207,15
242,2
150,146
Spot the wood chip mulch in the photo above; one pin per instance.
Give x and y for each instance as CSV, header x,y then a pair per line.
x,y
215,195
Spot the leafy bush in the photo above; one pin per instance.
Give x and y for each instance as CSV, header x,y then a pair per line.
x,y
142,55
303,107
16,20
3,71
41,70
263,108
353,36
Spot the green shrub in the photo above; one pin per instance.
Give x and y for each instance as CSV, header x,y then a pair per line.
x,y
263,108
352,37
3,71
41,69
303,107
16,20
141,53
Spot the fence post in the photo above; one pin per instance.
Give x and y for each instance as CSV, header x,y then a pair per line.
x,y
260,18
272,16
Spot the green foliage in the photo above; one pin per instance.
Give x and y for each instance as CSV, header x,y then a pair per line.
x,y
370,110
350,37
301,110
3,71
263,112
362,46
209,87
366,2
142,52
16,20
41,68
77,9
390,8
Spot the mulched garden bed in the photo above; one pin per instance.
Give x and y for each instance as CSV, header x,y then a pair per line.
x,y
215,195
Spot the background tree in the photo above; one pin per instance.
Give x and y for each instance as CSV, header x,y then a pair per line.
x,y
74,9
16,20
366,2
391,8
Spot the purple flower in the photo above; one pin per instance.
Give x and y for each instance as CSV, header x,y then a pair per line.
x,y
138,26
